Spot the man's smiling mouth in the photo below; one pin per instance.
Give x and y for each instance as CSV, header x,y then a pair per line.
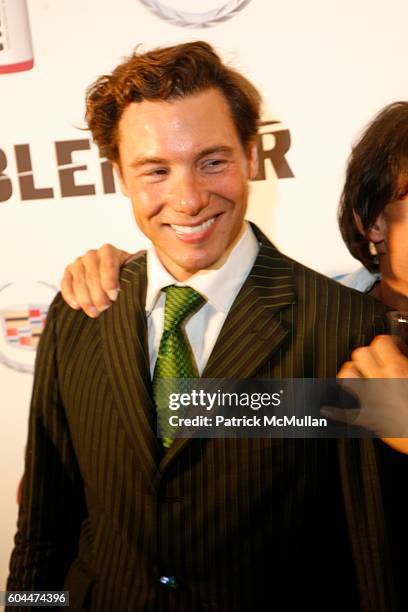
x,y
194,229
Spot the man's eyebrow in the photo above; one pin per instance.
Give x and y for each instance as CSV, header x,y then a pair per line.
x,y
215,149
142,161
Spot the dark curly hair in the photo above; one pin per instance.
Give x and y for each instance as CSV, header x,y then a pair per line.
x,y
377,174
165,74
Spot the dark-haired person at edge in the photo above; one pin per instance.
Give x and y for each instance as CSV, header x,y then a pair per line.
x,y
373,217
129,521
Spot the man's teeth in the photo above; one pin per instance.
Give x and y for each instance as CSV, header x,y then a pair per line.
x,y
196,229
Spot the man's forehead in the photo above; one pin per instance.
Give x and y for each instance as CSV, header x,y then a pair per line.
x,y
178,123
201,105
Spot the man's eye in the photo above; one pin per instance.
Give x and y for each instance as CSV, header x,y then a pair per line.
x,y
156,173
214,165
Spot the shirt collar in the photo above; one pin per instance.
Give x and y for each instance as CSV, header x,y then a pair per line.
x,y
219,287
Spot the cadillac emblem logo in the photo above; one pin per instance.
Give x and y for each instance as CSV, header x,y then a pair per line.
x,y
205,19
23,310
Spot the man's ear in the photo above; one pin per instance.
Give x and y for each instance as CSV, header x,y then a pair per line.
x,y
253,160
118,172
376,233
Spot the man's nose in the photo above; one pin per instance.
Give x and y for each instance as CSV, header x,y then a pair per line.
x,y
188,196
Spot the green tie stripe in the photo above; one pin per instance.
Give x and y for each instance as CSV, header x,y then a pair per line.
x,y
175,359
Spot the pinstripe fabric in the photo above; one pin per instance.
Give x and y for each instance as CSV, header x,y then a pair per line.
x,y
239,522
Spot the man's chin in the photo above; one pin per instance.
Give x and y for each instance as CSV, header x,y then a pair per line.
x,y
192,267
183,268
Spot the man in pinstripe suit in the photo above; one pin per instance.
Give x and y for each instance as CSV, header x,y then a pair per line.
x,y
225,525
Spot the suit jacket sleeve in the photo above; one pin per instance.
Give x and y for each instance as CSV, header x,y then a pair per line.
x,y
52,504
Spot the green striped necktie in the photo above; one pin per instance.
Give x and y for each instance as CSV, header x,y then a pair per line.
x,y
175,359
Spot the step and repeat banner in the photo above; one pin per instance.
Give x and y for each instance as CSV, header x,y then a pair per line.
x,y
324,69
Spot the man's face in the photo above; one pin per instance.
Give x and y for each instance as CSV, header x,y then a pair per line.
x,y
186,172
393,223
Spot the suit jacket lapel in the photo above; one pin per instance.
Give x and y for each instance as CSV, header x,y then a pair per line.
x,y
252,331
125,347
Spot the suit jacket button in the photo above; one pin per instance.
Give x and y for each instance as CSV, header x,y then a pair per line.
x,y
170,582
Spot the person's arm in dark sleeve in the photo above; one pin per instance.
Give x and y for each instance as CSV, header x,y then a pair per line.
x,y
52,505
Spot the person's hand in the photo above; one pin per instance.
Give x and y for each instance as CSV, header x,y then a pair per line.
x,y
384,403
91,282
382,359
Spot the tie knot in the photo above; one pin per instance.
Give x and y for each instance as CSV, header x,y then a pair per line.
x,y
180,303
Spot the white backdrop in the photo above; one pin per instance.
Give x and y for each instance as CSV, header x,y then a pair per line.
x,y
324,68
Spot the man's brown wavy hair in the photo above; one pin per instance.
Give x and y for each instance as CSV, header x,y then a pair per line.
x,y
377,174
167,74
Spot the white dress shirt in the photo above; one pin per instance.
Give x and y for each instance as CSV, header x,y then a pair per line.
x,y
219,287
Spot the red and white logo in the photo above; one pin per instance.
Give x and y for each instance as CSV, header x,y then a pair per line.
x,y
16,51
23,311
24,325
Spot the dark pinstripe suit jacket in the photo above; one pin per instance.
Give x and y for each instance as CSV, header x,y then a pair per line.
x,y
240,523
